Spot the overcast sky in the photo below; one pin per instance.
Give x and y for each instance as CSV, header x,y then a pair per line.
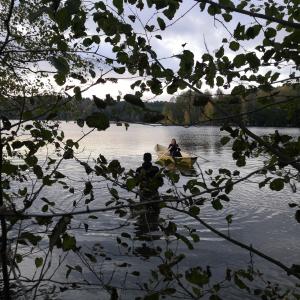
x,y
195,29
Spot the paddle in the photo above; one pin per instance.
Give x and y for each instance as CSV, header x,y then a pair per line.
x,y
200,157
203,158
166,153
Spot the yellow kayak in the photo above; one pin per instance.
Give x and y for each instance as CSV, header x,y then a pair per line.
x,y
163,155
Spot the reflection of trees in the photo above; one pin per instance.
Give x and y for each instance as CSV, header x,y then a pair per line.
x,y
147,220
146,223
200,139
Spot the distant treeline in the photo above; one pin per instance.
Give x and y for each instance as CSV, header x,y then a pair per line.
x,y
279,107
255,109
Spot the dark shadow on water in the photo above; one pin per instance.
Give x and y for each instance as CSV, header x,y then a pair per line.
x,y
188,172
184,170
147,230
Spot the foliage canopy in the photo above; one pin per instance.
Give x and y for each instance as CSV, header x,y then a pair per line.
x,y
59,48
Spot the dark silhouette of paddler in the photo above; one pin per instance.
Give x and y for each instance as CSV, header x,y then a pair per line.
x,y
149,180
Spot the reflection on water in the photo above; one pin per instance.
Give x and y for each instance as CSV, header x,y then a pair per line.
x,y
260,217
147,229
183,170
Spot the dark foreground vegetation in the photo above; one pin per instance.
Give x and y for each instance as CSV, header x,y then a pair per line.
x,y
63,48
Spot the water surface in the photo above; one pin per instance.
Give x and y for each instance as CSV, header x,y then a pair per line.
x,y
261,217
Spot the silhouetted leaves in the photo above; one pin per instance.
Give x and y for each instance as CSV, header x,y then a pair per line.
x,y
134,100
97,120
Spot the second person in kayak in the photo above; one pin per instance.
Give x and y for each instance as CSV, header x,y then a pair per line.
x,y
174,149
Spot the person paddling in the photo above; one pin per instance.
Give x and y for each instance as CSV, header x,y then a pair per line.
x,y
149,179
174,149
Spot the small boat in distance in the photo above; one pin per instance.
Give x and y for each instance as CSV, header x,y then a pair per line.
x,y
164,156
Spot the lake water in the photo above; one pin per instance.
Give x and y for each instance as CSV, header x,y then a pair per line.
x,y
261,217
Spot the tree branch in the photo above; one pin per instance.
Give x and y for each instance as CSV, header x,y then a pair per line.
x,y
7,25
3,247
252,14
242,245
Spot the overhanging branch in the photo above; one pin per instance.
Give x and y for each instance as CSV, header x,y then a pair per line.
x,y
252,14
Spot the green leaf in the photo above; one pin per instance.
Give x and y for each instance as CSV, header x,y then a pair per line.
x,y
87,42
60,79
60,64
168,291
97,120
88,188
120,70
96,39
19,258
220,81
227,17
229,218
59,228
194,210
132,18
197,276
126,235
297,215
186,63
154,296
17,144
69,242
270,33
31,238
235,46
38,262
225,140
135,273
134,100
224,197
73,6
213,10
239,60
241,161
277,184
239,282
45,208
9,169
38,171
119,5
101,104
31,160
220,52
77,93
80,122
6,123
155,86
170,12
91,257
238,90
131,183
253,60
253,31
185,240
161,23
217,205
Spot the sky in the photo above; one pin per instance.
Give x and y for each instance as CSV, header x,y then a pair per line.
x,y
197,30
194,29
